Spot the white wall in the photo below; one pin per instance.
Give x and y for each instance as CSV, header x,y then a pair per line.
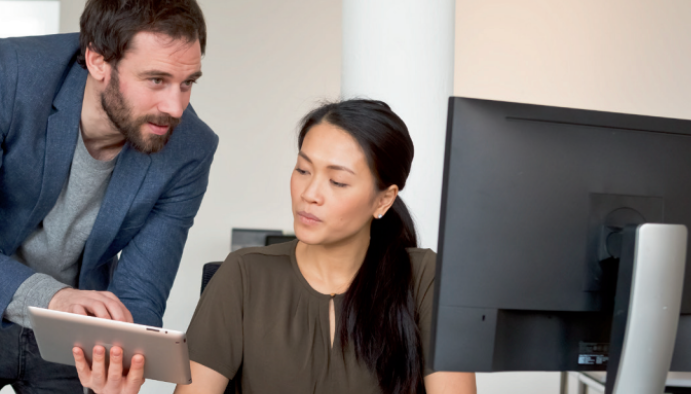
x,y
29,18
402,53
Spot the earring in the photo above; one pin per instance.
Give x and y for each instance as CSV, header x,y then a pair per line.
x,y
380,216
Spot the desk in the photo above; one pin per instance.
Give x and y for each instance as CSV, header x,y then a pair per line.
x,y
594,382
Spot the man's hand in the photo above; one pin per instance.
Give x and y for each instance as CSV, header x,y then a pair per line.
x,y
102,304
111,380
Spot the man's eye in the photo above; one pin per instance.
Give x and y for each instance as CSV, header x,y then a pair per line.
x,y
156,81
189,83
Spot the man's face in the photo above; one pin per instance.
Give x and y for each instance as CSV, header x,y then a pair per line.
x,y
150,88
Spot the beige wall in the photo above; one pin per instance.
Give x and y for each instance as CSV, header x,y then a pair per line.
x,y
628,56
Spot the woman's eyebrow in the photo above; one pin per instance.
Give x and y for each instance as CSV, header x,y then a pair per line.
x,y
331,167
340,168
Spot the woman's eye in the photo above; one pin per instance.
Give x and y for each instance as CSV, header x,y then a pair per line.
x,y
337,184
301,172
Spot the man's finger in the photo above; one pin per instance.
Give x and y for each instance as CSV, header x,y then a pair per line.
x,y
117,310
128,316
98,309
78,309
83,368
135,377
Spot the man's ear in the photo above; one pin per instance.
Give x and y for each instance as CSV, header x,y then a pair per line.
x,y
385,200
98,68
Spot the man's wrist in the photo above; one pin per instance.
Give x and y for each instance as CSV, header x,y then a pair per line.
x,y
50,287
37,290
52,302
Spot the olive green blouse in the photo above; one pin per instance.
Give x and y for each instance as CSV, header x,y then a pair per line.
x,y
260,323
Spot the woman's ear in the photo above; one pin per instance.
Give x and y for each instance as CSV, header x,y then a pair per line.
x,y
385,200
98,68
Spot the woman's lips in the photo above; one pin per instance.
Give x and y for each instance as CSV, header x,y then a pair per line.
x,y
308,218
158,129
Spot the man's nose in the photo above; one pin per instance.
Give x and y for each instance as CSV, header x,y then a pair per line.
x,y
173,104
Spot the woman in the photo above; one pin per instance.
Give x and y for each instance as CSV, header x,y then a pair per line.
x,y
347,308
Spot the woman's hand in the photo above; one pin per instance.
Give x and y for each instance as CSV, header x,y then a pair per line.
x,y
113,381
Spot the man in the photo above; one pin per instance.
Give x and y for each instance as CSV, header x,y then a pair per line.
x,y
99,155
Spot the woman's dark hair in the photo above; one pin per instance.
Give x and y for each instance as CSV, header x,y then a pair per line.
x,y
108,26
378,314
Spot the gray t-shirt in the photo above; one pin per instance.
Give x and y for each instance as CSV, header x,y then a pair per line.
x,y
54,249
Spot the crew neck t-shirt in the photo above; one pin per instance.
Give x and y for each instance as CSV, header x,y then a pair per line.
x,y
261,322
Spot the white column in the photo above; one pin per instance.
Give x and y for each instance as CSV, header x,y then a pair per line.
x,y
402,52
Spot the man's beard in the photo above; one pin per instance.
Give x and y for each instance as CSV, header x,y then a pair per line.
x,y
119,113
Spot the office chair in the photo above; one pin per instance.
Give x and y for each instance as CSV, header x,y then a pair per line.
x,y
208,272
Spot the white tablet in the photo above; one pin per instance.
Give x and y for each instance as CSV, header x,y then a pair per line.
x,y
164,351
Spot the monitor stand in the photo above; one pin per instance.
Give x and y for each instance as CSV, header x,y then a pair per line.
x,y
647,304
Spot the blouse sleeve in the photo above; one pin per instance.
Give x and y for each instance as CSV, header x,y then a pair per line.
x,y
215,334
424,295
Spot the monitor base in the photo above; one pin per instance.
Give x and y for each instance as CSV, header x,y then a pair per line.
x,y
646,308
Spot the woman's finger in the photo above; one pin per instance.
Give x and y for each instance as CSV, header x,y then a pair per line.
x,y
98,368
115,368
135,377
82,365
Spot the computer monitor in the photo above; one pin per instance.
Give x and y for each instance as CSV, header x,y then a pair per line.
x,y
278,239
531,195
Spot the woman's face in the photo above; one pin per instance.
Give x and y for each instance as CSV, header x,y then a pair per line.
x,y
332,188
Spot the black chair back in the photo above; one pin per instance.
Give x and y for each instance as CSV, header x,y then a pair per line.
x,y
208,272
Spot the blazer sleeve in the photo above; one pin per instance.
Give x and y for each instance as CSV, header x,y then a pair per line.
x,y
148,264
12,273
8,85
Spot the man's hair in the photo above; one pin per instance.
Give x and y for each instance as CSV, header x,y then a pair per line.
x,y
108,26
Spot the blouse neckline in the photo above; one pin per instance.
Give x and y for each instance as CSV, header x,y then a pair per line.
x,y
301,277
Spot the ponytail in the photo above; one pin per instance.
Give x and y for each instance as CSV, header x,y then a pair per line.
x,y
378,314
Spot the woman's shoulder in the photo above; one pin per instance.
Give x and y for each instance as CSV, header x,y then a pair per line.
x,y
420,254
421,258
272,258
271,252
423,262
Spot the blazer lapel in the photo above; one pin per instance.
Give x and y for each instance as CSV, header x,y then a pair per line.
x,y
61,140
128,175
